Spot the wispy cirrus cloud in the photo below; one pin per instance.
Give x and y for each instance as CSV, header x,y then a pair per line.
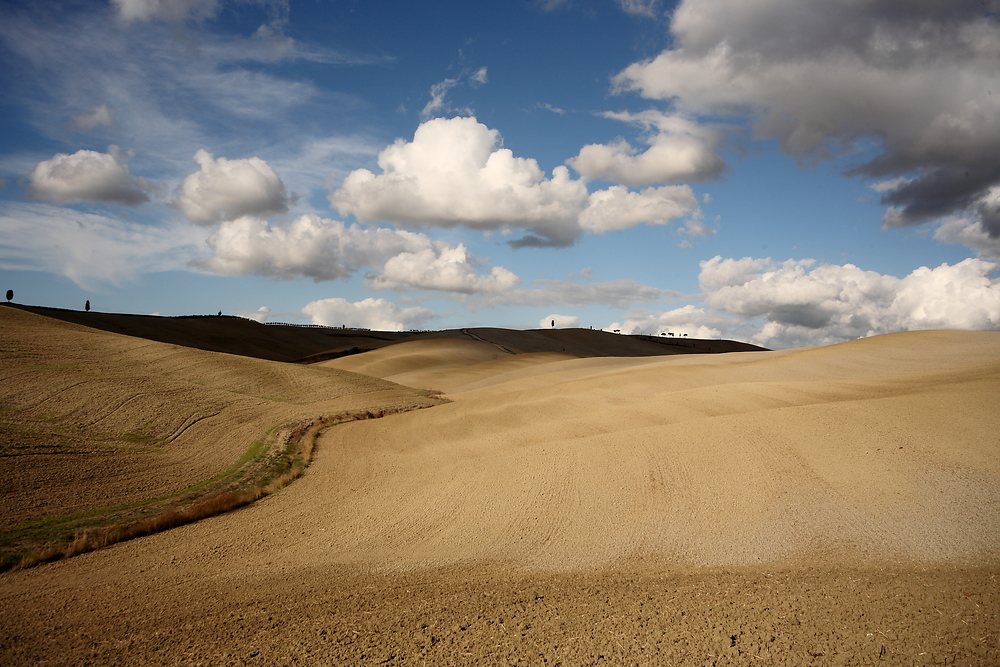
x,y
647,8
91,249
620,293
438,105
101,114
167,97
171,11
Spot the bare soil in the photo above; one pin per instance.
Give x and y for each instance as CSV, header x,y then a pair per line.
x,y
95,425
825,615
827,506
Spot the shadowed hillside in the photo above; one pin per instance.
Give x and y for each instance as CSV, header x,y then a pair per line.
x,y
226,333
286,342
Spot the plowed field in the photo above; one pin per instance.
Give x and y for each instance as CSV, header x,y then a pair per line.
x,y
93,423
826,506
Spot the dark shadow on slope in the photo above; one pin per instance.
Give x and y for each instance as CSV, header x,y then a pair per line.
x,y
311,344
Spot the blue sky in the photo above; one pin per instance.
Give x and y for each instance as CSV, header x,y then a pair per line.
x,y
788,172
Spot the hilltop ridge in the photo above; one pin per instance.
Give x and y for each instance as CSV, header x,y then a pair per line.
x,y
308,344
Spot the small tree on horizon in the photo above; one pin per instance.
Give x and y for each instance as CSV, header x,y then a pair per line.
x,y
87,305
10,295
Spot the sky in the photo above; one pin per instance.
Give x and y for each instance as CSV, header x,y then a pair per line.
x,y
784,172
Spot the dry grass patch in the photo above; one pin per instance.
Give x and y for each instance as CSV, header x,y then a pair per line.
x,y
281,469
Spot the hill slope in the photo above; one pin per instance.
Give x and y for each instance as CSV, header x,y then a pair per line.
x,y
819,506
93,420
284,342
879,449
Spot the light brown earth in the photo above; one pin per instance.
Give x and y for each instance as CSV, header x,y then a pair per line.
x,y
93,423
835,505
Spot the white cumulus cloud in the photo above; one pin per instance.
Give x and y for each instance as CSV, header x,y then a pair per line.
x,y
619,208
918,81
377,314
717,273
679,150
804,304
309,246
454,173
325,249
227,189
968,231
444,268
88,176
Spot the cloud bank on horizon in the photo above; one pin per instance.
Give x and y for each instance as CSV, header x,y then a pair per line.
x,y
371,183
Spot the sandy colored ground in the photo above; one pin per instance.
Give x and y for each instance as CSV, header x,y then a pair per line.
x,y
90,419
824,506
821,455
